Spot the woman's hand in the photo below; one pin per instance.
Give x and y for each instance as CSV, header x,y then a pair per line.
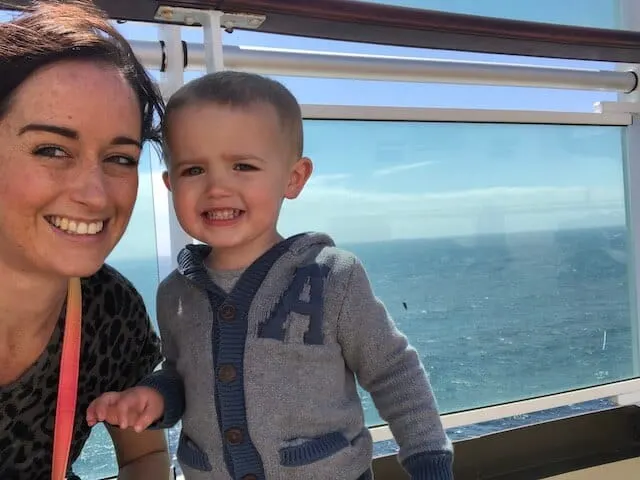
x,y
136,407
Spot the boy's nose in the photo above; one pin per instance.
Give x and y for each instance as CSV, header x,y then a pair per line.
x,y
218,184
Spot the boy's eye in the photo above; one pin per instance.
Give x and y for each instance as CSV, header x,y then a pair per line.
x,y
244,167
50,151
191,171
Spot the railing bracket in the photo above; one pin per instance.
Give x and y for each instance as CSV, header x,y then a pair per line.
x,y
616,107
196,17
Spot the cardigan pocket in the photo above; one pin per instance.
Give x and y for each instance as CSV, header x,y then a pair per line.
x,y
301,452
368,475
191,455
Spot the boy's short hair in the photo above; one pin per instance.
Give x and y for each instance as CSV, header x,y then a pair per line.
x,y
240,89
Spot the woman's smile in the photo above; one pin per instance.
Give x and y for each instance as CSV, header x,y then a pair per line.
x,y
78,229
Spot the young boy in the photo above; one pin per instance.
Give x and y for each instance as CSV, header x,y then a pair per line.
x,y
264,336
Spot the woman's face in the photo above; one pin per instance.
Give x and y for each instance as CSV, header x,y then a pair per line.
x,y
69,149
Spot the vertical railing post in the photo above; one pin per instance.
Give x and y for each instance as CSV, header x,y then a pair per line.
x,y
171,79
629,16
214,60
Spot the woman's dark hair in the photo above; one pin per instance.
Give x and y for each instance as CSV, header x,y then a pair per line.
x,y
51,31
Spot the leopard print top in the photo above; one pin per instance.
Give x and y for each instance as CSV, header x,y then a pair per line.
x,y
119,347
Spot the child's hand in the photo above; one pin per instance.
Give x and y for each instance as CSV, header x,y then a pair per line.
x,y
136,407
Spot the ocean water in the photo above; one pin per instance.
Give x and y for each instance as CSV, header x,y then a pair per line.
x,y
495,318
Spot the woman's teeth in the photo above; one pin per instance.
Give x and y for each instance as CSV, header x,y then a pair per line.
x,y
75,226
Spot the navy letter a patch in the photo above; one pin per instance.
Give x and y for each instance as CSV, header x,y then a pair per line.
x,y
310,276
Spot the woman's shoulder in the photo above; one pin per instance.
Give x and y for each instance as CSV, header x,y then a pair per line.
x,y
117,327
115,321
111,296
109,281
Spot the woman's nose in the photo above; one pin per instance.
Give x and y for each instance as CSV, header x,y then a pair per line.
x,y
89,188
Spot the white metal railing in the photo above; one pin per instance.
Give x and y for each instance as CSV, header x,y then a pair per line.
x,y
463,115
271,61
617,391
622,391
207,56
385,68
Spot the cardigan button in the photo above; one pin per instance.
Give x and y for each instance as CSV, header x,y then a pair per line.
x,y
234,436
227,373
227,312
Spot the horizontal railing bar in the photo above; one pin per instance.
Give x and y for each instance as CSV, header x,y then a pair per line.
x,y
498,412
387,68
369,22
528,406
463,115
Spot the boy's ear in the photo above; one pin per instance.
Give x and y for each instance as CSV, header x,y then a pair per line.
x,y
300,173
165,179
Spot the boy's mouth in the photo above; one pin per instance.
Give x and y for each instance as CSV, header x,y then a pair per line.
x,y
76,227
222,214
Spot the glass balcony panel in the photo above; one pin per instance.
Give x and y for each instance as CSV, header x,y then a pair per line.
x,y
501,250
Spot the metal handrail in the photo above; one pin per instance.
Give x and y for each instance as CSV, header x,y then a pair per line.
x,y
273,61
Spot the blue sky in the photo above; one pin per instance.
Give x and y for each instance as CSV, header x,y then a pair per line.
x,y
386,180
588,13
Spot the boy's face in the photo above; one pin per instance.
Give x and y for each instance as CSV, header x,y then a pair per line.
x,y
230,170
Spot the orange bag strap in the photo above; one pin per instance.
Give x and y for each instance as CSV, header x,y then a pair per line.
x,y
68,382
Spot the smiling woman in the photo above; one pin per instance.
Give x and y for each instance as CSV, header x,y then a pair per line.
x,y
78,226
75,110
78,168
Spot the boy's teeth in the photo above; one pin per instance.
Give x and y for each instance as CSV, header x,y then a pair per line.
x,y
223,214
76,227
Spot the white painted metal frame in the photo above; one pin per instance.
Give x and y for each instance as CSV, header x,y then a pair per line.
x,y
497,412
171,79
213,56
171,64
624,391
310,64
460,115
273,61
630,18
632,191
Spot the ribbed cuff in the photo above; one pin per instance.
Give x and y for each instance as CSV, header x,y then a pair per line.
x,y
430,466
171,387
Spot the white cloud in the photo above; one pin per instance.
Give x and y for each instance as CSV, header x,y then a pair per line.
x,y
402,168
356,216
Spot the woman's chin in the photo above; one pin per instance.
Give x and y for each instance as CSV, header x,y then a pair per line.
x,y
80,271
79,267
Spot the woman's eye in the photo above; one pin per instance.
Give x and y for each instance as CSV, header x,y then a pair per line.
x,y
50,152
124,160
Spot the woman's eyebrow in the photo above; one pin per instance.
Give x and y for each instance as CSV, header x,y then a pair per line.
x,y
72,134
41,127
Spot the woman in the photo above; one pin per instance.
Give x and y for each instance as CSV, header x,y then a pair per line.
x,y
75,108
